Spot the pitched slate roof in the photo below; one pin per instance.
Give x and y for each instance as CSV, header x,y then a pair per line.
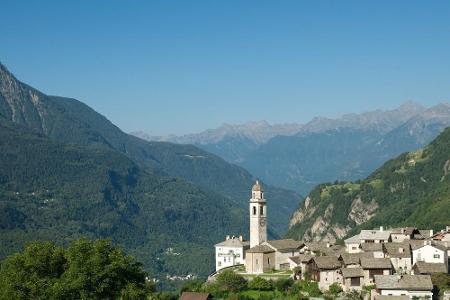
x,y
375,263
260,249
375,235
398,250
285,245
419,244
352,240
404,282
302,258
372,247
353,258
233,242
352,272
327,262
422,267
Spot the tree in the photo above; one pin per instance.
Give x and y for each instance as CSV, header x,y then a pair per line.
x,y
283,284
94,270
260,284
335,289
230,281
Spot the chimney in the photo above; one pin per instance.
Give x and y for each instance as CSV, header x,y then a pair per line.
x,y
403,230
241,238
401,250
228,237
425,242
431,232
381,228
328,245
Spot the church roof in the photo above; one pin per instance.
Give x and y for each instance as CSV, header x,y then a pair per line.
x,y
257,187
260,249
285,245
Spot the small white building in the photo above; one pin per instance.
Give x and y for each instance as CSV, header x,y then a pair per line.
x,y
404,285
231,252
429,253
375,236
352,244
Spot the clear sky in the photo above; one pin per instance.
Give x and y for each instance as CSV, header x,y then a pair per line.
x,y
184,66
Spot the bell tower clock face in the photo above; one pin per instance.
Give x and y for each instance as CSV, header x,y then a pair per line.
x,y
262,222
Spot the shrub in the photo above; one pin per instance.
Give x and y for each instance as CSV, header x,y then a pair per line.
x,y
260,284
335,289
283,284
230,281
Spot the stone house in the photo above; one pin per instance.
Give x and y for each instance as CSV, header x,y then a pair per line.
x,y
283,250
353,278
400,255
352,260
375,236
301,262
375,248
326,270
352,244
375,266
404,285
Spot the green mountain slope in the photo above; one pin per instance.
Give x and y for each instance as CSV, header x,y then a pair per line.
x,y
411,190
70,121
59,192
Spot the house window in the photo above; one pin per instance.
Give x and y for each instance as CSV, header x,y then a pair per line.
x,y
256,261
220,263
254,210
436,256
353,248
355,281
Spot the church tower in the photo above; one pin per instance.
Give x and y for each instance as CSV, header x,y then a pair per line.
x,y
258,216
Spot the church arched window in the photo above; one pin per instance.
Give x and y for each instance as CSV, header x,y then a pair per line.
x,y
254,210
261,210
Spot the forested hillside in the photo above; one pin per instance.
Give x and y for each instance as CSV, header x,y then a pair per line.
x,y
70,121
411,190
59,192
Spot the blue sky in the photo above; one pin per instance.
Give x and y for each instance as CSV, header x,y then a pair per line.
x,y
184,66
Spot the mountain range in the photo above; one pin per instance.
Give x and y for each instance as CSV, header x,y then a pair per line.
x,y
60,155
300,156
410,190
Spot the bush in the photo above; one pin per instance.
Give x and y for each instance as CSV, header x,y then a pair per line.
x,y
230,281
283,284
260,284
335,289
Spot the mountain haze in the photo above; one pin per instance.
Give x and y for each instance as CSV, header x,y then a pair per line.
x,y
324,149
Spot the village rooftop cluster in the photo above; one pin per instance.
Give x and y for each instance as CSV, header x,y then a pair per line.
x,y
397,262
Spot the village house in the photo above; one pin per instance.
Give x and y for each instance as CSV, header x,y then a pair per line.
x,y
352,260
375,266
352,244
443,235
300,264
376,249
326,270
419,286
400,255
283,250
353,278
375,236
429,252
231,252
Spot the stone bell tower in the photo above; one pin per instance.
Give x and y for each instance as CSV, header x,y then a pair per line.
x,y
258,216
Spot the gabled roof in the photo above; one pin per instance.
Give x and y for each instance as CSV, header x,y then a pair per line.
x,y
325,248
398,250
260,249
404,282
375,263
352,240
419,244
375,235
302,258
194,296
422,267
352,272
285,245
388,297
372,247
353,258
233,242
327,262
